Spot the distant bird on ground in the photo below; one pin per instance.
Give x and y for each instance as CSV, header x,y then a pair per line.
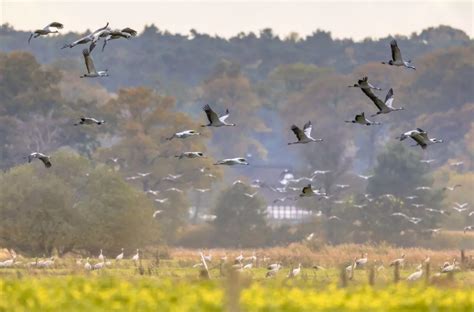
x,y
183,134
304,136
45,159
190,155
136,256
215,120
49,29
126,33
384,107
101,255
468,228
87,265
451,188
89,121
239,258
397,59
360,119
295,271
89,38
361,262
119,256
364,84
450,267
416,275
399,261
91,71
232,162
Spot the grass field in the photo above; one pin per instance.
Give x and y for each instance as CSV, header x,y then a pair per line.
x,y
172,284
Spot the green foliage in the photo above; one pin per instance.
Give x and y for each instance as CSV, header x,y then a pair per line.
x,y
71,205
241,220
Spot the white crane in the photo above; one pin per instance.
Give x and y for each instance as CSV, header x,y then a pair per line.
x,y
400,261
463,205
360,119
250,195
119,256
157,212
239,258
190,155
232,161
450,267
49,29
384,107
44,158
126,33
161,200
397,59
183,134
101,256
89,121
362,261
303,136
295,271
87,265
91,71
46,263
416,275
468,228
365,177
136,256
214,119
364,84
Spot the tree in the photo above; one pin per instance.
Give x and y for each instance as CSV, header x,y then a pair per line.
x,y
241,220
72,205
398,173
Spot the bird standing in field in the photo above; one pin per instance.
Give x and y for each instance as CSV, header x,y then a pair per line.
x,y
91,71
215,120
397,59
295,271
119,256
45,159
384,107
416,275
136,256
49,29
304,136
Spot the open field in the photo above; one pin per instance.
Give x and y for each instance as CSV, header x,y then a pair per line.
x,y
173,284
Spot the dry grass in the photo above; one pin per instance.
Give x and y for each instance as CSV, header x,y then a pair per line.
x,y
329,256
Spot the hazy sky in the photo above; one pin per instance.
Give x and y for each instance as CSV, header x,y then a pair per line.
x,y
355,19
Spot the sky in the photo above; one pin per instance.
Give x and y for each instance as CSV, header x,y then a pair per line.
x,y
344,19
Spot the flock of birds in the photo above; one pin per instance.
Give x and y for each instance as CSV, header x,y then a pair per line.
x,y
303,136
